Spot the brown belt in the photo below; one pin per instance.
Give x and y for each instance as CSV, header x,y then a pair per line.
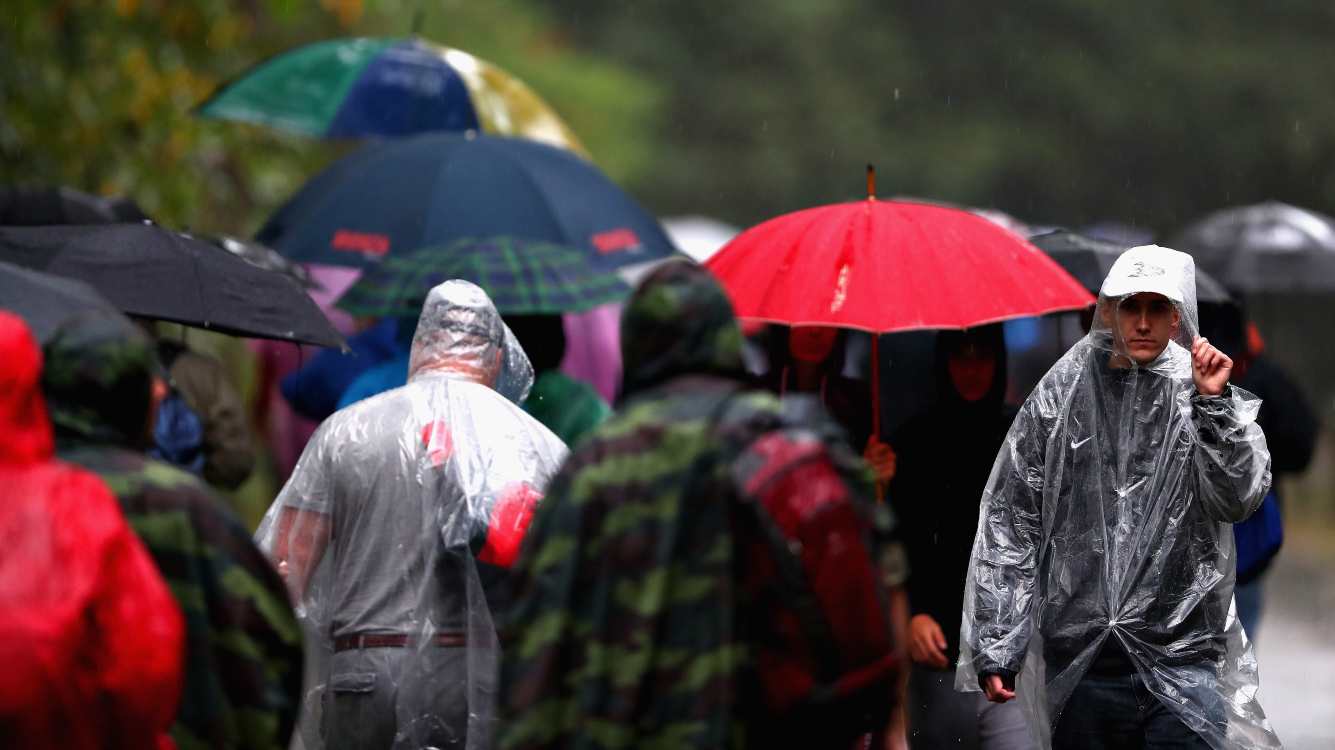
x,y
394,640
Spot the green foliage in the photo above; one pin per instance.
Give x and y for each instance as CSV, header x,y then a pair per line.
x,y
1061,111
98,95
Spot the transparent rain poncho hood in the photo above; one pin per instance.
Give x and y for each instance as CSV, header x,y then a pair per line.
x,y
1107,519
397,524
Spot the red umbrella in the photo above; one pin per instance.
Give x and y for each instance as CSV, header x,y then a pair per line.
x,y
885,266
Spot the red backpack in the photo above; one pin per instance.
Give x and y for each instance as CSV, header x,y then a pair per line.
x,y
820,627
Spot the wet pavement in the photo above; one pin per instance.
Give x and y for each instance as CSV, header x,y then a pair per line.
x,y
1296,647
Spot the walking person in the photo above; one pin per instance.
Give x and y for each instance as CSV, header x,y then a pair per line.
x,y
396,528
945,455
1100,589
702,572
93,638
243,650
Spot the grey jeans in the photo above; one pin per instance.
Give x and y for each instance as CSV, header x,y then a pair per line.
x,y
363,703
940,717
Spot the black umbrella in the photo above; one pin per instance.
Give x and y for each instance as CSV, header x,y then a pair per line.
x,y
45,301
1267,247
1089,260
152,272
265,257
32,206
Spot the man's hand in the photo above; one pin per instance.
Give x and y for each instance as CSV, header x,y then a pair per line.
x,y
881,457
927,643
1210,368
996,689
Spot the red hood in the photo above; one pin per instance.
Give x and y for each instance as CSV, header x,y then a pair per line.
x,y
23,419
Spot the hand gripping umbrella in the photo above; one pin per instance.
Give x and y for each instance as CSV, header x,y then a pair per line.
x,y
152,272
886,266
368,87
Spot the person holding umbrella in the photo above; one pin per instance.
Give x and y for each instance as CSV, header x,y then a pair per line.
x,y
810,359
1100,587
945,455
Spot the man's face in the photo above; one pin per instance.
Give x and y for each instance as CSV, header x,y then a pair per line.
x,y
1145,323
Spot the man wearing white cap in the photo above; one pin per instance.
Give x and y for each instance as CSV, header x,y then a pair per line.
x,y
1100,587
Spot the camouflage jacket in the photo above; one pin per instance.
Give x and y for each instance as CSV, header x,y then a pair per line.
x,y
629,621
243,645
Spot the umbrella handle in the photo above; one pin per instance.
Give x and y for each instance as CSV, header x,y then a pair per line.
x,y
876,401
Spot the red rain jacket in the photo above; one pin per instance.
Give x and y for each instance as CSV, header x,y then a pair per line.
x,y
91,641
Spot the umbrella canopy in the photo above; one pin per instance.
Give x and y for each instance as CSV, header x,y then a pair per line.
x,y
883,266
263,257
45,301
437,188
152,272
699,236
366,87
522,277
1088,259
32,206
1267,247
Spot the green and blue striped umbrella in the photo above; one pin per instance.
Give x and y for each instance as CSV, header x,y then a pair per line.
x,y
522,277
386,87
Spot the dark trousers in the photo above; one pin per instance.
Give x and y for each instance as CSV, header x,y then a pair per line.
x,y
378,698
1120,713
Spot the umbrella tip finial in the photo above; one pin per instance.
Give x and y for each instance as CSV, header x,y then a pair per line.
x,y
871,182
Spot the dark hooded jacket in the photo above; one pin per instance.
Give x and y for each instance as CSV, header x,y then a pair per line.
x,y
847,400
944,457
92,637
635,623
243,646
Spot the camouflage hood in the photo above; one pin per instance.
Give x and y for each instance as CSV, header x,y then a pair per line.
x,y
98,380
678,322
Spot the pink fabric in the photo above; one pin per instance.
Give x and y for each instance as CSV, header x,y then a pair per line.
x,y
285,432
332,282
593,348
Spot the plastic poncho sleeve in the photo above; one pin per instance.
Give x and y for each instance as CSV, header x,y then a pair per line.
x,y
1007,546
304,524
1232,461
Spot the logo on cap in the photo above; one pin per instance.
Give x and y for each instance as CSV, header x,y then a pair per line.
x,y
1140,270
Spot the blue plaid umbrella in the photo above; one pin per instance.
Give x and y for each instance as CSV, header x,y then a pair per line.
x,y
522,278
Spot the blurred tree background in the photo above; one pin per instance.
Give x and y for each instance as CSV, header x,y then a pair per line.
x,y
1067,112
98,95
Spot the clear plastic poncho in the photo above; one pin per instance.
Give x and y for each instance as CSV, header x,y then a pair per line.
x,y
1107,516
399,519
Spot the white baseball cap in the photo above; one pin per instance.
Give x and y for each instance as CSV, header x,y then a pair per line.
x,y
1150,268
